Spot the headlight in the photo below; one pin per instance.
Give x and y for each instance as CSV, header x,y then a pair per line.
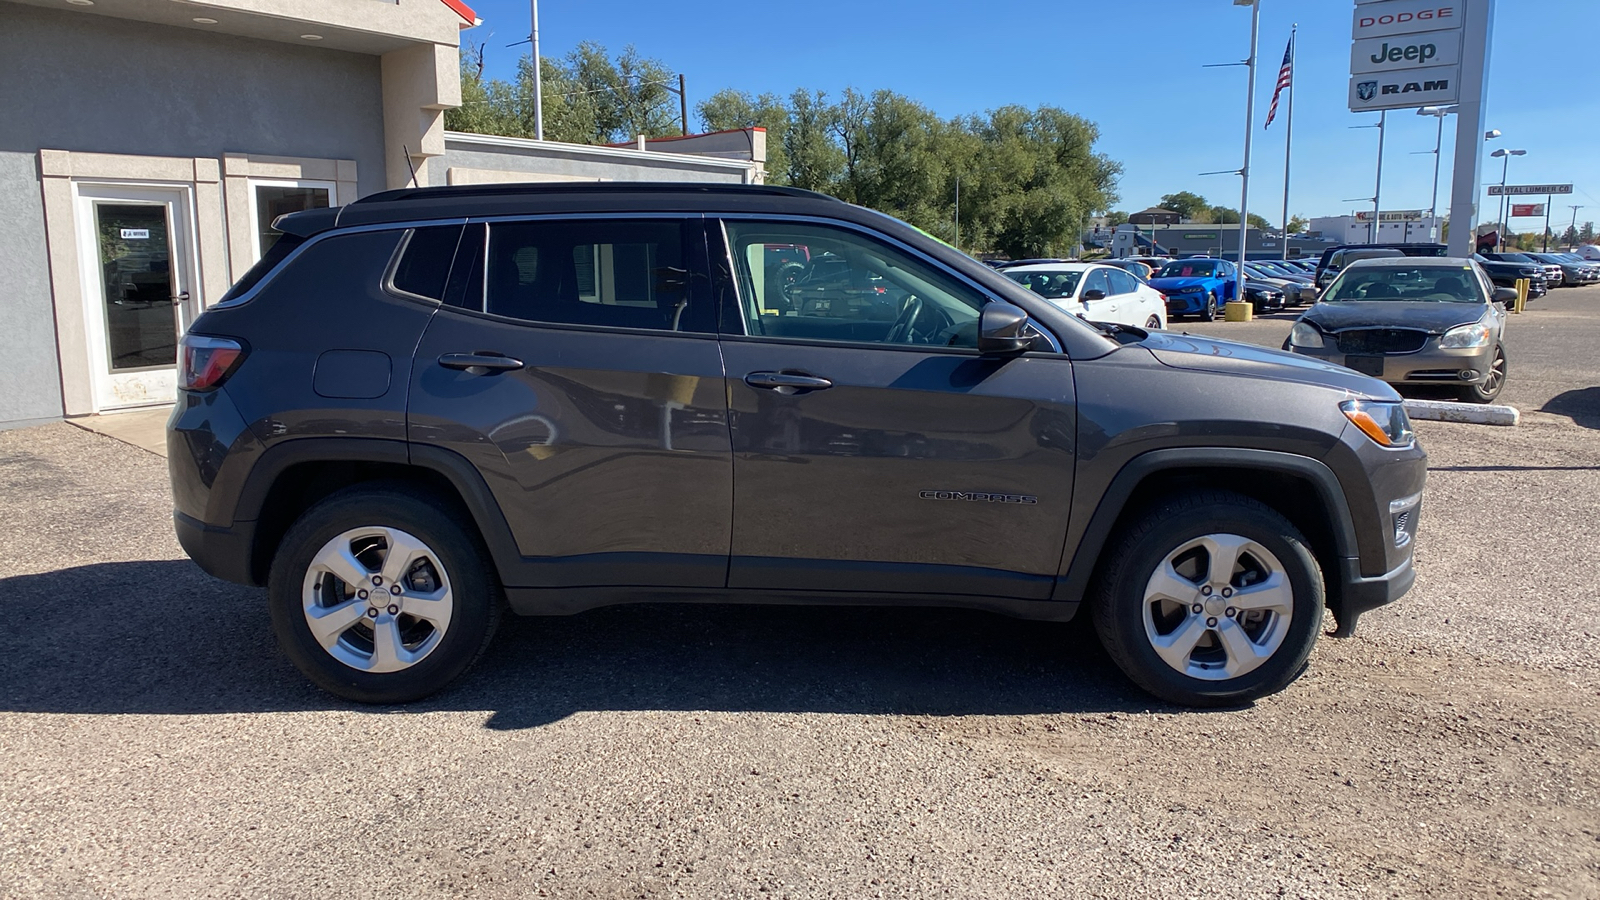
x,y
1385,421
1529,273
1465,337
1304,335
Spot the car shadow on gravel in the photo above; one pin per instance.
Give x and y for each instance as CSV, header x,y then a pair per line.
x,y
161,637
1582,406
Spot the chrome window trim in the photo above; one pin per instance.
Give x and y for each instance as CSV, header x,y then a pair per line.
x,y
318,238
394,268
723,218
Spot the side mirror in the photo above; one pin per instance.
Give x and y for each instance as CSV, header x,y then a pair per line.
x,y
1504,295
1001,328
1095,294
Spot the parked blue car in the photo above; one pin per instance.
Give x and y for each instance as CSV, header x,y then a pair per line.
x,y
1197,286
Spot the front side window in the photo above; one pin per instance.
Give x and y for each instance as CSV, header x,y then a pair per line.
x,y
1098,280
1441,284
1052,285
834,284
617,274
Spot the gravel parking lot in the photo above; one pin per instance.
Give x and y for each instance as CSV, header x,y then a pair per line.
x,y
157,745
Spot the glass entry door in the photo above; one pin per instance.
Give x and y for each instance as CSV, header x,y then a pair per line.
x,y
137,269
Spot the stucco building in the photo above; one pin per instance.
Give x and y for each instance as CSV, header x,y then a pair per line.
x,y
147,146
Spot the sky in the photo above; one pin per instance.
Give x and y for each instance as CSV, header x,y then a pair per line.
x,y
1135,69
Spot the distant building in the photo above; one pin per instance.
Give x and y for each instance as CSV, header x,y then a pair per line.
x,y
1155,216
1205,240
1396,228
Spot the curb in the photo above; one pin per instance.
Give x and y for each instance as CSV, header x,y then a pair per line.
x,y
1474,413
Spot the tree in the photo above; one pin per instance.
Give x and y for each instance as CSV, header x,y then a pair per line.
x,y
1116,217
1189,205
815,162
1586,235
728,109
1297,224
1224,215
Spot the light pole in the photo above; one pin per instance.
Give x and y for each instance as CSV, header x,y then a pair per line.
x,y
1504,154
1438,112
1377,190
1575,224
538,86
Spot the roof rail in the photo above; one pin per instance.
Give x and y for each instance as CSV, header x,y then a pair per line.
x,y
609,187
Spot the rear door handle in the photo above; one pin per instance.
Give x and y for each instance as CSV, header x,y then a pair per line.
x,y
787,382
483,362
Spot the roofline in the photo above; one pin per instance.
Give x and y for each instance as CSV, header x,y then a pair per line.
x,y
462,10
685,137
600,150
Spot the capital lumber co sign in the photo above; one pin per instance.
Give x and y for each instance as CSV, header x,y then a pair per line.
x,y
1521,190
1405,53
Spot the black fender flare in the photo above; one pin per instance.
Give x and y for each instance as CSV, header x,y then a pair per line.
x,y
1079,568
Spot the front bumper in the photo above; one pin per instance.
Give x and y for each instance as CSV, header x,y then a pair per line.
x,y
1357,593
1430,365
1186,304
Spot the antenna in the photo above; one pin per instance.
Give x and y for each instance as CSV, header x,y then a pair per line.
x,y
413,168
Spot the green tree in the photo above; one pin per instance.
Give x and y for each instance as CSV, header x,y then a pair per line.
x,y
1116,217
728,109
1586,235
1297,224
815,162
1191,206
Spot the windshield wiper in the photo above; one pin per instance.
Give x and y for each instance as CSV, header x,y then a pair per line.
x,y
1117,328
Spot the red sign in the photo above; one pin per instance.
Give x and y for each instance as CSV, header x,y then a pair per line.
x,y
1527,209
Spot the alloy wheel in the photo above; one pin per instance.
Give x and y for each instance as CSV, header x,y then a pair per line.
x,y
377,599
1217,607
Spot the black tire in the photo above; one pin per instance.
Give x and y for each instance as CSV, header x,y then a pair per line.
x,y
1488,390
1209,314
1153,323
1118,599
477,598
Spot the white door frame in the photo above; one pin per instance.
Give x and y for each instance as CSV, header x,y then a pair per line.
x,y
147,386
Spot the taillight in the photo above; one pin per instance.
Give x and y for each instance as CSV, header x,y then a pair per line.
x,y
204,362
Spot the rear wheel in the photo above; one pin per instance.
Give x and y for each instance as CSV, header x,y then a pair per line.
x,y
1210,599
1488,390
1153,323
378,597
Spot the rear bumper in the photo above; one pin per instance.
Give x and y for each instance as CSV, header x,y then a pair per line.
x,y
220,552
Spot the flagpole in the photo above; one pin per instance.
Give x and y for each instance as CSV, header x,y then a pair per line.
x,y
1288,141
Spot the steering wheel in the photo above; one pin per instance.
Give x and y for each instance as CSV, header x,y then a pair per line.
x,y
901,331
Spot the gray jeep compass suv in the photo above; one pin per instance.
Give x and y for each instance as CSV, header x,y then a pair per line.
x,y
433,403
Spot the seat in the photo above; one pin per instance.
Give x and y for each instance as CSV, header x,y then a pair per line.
x,y
1380,291
1450,285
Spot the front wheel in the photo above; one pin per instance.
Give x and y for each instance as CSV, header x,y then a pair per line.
x,y
1210,599
379,597
1488,390
1209,314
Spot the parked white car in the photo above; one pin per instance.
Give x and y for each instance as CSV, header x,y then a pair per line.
x,y
1095,292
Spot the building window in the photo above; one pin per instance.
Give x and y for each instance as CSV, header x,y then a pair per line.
x,y
271,199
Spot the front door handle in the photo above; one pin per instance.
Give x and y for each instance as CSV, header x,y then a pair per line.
x,y
483,362
787,382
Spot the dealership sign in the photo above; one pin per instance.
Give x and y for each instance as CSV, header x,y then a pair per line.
x,y
1527,210
1522,190
1405,54
1394,215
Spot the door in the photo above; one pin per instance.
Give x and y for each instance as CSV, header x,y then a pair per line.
x,y
137,269
874,450
581,378
1130,307
1105,308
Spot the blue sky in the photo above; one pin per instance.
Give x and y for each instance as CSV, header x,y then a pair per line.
x,y
1133,68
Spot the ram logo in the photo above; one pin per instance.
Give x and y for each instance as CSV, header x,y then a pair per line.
x,y
1366,90
979,496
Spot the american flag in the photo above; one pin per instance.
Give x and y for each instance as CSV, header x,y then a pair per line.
x,y
1285,78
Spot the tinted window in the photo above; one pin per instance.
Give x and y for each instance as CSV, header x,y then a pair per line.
x,y
849,287
1443,284
1187,268
424,263
1122,282
279,250
614,274
1052,285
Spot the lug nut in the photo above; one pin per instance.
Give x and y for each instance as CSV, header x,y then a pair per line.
x,y
394,609
1227,592
372,612
1206,591
1198,609
377,580
1229,612
395,589
361,595
1211,622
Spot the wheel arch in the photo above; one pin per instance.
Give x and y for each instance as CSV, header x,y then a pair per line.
x,y
290,477
1302,489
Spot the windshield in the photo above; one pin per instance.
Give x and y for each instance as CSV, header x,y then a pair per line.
x,y
1436,284
1188,268
1052,285
1514,257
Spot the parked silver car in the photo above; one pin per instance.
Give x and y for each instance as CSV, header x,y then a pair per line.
x,y
1412,320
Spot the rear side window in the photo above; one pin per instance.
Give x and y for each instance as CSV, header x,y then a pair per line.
x,y
619,274
424,264
277,253
1122,282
